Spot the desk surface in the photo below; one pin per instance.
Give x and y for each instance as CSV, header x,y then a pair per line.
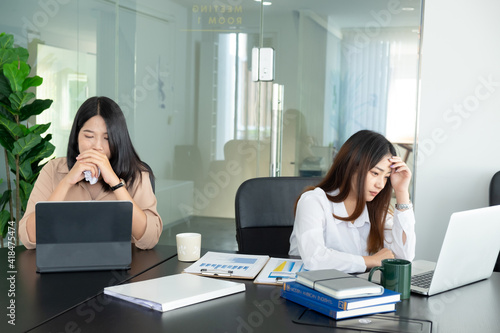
x,y
472,308
40,297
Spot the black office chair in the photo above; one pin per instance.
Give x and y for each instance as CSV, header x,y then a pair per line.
x,y
495,200
264,209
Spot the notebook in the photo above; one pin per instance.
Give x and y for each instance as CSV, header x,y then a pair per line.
x,y
468,253
174,291
83,235
338,284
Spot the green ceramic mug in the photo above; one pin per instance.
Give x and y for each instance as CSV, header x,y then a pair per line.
x,y
395,275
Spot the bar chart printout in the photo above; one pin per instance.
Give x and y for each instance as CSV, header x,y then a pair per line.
x,y
279,270
228,265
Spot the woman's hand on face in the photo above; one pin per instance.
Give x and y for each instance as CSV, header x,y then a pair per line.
x,y
401,174
100,161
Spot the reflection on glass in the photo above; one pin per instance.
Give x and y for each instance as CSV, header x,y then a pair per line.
x,y
68,84
181,71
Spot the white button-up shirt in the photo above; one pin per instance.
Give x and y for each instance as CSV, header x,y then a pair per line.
x,y
324,242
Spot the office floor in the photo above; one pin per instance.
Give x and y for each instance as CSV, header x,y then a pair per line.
x,y
217,234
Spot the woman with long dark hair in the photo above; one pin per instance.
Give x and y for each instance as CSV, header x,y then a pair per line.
x,y
346,221
101,164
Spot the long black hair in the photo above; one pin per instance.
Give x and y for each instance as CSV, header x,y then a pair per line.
x,y
124,159
359,154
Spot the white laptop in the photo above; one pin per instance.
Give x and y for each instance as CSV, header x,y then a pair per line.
x,y
468,253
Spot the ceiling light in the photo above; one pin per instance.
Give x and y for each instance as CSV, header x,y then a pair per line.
x,y
408,9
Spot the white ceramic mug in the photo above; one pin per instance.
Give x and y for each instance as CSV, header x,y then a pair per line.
x,y
188,246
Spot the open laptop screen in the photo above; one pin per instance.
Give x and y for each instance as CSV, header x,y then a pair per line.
x,y
83,235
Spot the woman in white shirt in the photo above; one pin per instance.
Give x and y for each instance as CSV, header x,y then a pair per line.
x,y
345,222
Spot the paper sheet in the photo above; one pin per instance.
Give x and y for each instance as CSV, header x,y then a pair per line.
x,y
231,265
279,270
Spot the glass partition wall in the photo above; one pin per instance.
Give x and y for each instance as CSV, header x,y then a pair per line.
x,y
201,111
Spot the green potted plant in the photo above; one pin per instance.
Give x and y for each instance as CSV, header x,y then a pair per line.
x,y
24,146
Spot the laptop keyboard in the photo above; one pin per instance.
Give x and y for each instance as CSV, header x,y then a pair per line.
x,y
422,280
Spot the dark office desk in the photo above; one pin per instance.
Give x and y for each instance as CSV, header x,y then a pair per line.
x,y
473,308
39,297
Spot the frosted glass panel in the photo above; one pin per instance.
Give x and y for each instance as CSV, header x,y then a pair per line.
x,y
181,71
68,84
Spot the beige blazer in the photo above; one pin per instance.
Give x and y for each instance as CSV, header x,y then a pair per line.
x,y
55,170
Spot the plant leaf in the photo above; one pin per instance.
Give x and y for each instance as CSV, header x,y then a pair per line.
x,y
10,55
6,57
11,160
36,154
18,99
34,81
24,144
5,110
5,198
6,140
21,54
25,191
39,128
6,41
15,75
36,172
25,171
4,219
5,90
25,130
47,150
4,143
35,108
11,127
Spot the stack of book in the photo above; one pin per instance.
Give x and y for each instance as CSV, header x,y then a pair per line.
x,y
339,295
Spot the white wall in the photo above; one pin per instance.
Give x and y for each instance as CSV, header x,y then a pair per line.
x,y
459,125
